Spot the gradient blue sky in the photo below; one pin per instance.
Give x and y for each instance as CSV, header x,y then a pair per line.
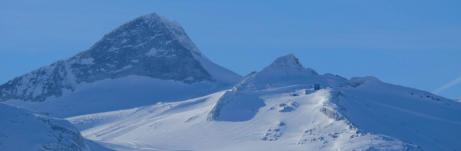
x,y
416,43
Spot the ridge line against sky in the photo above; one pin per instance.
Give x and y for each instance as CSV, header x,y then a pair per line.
x,y
410,43
448,85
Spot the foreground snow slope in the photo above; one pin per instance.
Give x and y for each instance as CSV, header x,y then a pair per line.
x,y
21,130
186,126
286,107
125,69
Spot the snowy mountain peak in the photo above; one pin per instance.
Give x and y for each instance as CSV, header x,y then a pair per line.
x,y
178,33
150,17
285,74
289,65
359,106
289,61
149,31
284,70
150,46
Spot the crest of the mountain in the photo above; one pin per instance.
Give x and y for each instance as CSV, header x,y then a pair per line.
x,y
149,46
285,74
363,103
285,70
286,65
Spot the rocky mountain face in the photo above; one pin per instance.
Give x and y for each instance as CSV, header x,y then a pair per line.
x,y
149,45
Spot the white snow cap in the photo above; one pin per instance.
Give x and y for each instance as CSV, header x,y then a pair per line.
x,y
285,70
287,64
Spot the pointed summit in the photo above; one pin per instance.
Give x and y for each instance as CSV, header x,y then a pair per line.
x,y
285,70
288,64
175,30
289,61
149,31
150,46
149,17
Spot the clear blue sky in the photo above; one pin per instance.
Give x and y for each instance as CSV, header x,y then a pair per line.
x,y
416,43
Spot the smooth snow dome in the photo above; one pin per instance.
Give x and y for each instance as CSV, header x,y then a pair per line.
x,y
24,131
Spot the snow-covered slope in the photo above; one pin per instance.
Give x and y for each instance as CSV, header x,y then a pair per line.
x,y
117,94
21,130
432,122
151,48
146,86
286,107
287,122
285,74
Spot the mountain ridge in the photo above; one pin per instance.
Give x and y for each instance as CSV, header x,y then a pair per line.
x,y
312,112
146,86
149,45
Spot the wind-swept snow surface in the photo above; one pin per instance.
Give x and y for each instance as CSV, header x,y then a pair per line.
x,y
21,130
432,122
186,126
268,111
